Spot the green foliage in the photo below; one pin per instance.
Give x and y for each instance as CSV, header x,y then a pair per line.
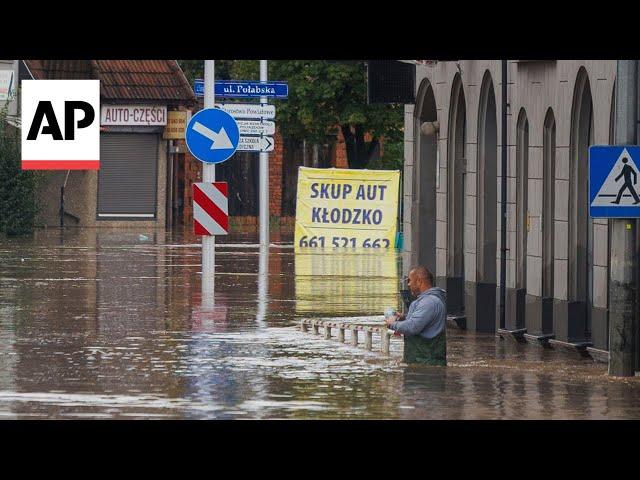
x,y
18,188
324,97
392,158
195,69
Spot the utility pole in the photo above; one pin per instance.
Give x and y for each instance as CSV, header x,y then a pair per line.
x,y
208,175
622,283
264,176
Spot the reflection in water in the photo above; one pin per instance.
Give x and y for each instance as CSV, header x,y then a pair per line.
x,y
113,324
368,281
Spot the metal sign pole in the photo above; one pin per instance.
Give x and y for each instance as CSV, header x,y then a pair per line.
x,y
208,175
264,176
623,266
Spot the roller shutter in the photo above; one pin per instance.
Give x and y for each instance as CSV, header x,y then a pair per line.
x,y
127,179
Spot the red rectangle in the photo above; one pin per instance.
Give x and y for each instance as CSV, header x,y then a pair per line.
x,y
60,164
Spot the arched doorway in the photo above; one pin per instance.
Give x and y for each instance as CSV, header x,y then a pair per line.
x,y
486,211
456,144
516,297
548,219
580,267
425,174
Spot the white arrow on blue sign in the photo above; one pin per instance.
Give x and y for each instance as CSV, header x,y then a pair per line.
x,y
212,135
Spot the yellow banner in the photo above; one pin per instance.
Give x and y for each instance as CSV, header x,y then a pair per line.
x,y
176,125
340,208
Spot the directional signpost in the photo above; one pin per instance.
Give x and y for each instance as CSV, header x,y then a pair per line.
x,y
256,127
255,144
253,127
252,122
248,110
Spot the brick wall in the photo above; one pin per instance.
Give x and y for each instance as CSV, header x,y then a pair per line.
x,y
275,176
192,174
340,160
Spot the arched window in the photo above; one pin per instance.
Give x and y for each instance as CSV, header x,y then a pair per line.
x,y
484,318
548,202
456,144
580,270
522,169
487,193
425,171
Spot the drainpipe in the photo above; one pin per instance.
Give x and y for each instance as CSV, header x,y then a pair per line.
x,y
171,156
62,199
503,200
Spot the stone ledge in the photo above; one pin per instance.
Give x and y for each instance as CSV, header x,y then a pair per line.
x,y
578,347
457,321
598,355
542,340
516,335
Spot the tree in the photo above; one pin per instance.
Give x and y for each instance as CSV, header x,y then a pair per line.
x,y
18,188
195,69
324,97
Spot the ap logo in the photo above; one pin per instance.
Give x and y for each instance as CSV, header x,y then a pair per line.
x,y
60,125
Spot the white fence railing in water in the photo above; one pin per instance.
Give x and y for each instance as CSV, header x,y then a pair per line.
x,y
383,332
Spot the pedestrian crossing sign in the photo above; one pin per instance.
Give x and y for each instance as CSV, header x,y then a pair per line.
x,y
614,181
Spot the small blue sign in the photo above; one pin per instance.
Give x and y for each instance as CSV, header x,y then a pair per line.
x,y
198,88
212,135
614,181
244,89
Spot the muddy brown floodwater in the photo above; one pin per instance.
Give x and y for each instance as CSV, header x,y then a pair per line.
x,y
110,324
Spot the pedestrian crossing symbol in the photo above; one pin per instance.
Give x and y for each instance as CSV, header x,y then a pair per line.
x,y
614,181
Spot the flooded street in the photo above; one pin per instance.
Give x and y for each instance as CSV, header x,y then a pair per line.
x,y
110,324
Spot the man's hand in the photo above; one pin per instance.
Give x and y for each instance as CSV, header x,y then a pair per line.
x,y
397,316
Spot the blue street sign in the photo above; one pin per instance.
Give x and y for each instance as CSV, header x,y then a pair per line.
x,y
198,88
212,135
244,89
614,181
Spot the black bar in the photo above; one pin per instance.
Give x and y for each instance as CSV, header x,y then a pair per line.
x,y
62,206
503,199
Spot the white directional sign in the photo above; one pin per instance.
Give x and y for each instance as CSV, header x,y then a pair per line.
x,y
256,127
248,110
255,144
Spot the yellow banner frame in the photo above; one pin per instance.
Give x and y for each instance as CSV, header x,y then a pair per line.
x,y
344,208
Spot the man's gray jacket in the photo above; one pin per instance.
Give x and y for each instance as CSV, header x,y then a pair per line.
x,y
427,315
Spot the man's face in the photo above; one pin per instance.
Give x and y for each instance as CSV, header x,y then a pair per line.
x,y
414,283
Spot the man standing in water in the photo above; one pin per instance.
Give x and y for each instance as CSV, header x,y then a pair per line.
x,y
424,326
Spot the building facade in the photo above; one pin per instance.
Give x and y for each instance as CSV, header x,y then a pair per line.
x,y
557,258
133,186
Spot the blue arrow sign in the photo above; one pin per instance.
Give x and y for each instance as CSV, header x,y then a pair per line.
x,y
614,181
244,89
212,135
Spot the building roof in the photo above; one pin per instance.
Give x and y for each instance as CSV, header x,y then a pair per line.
x,y
122,80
